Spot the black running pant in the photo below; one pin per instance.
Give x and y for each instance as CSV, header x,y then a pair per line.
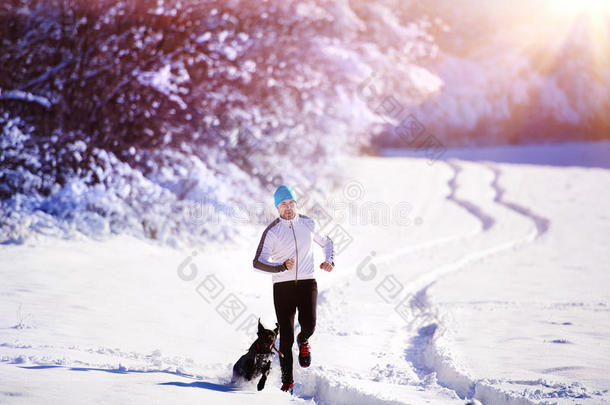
x,y
288,296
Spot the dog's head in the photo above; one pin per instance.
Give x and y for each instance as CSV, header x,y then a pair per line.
x,y
266,337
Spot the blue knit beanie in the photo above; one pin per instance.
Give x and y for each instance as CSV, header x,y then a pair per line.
x,y
283,193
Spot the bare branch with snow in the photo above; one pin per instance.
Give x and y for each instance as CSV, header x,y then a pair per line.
x,y
20,95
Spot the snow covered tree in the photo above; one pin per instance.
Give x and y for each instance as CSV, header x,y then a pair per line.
x,y
209,100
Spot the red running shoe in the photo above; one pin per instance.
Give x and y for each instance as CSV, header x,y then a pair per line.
x,y
287,387
304,354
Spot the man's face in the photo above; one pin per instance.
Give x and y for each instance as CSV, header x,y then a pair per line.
x,y
287,209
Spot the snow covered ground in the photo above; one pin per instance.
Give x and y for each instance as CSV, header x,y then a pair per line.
x,y
477,279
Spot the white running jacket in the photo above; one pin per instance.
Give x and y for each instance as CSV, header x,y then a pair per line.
x,y
284,239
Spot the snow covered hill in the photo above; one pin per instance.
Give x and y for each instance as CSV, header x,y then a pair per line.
x,y
459,279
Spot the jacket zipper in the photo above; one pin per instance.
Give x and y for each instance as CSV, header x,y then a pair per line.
x,y
296,248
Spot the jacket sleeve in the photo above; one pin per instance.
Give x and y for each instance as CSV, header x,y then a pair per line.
x,y
326,242
263,253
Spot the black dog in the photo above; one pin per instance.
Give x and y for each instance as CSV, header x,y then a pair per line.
x,y
257,361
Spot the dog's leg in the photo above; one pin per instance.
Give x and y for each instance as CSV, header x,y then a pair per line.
x,y
237,370
261,383
263,380
249,367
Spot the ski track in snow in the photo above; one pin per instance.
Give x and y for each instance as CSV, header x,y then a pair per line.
x,y
542,224
424,353
487,221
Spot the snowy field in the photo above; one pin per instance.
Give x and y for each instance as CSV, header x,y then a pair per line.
x,y
489,281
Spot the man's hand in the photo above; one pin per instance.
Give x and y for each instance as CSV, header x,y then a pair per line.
x,y
289,264
326,266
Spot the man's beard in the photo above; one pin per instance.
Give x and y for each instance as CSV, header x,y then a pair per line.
x,y
289,216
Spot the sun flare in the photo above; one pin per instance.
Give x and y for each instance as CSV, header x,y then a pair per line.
x,y
588,17
574,7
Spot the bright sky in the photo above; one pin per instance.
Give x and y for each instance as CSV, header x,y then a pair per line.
x,y
571,7
594,16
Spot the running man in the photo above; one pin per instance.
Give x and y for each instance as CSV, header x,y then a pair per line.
x,y
286,251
